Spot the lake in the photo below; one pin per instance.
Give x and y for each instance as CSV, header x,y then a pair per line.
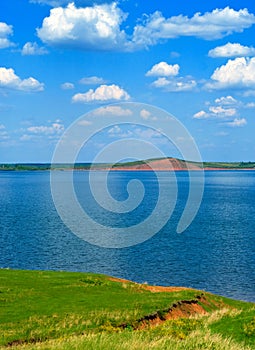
x,y
216,253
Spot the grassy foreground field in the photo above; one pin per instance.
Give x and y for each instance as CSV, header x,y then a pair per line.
x,y
62,310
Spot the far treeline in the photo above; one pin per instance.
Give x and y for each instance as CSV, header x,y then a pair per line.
x,y
87,166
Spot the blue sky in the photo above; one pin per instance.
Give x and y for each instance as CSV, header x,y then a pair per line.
x,y
61,59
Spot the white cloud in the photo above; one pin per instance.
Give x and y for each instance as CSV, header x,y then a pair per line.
x,y
230,101
2,127
141,133
102,93
113,111
226,111
67,86
222,112
250,105
26,137
163,69
216,112
237,73
115,130
160,83
5,32
98,26
211,25
87,28
8,79
201,115
145,114
232,50
237,122
226,100
92,80
55,128
179,84
168,80
149,134
32,49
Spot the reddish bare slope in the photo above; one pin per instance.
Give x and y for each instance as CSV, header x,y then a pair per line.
x,y
167,164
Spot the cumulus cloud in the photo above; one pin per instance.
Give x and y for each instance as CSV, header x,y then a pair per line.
x,y
163,69
149,134
226,110
175,85
35,132
8,79
88,28
118,132
5,32
55,128
168,78
238,73
226,100
146,115
222,112
67,86
101,94
92,80
216,112
138,133
201,115
250,105
237,122
114,130
210,25
232,50
33,49
160,83
88,25
113,110
230,101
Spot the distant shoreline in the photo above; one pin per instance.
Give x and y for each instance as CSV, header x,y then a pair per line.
x,y
161,164
127,170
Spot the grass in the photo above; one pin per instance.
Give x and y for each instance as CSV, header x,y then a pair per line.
x,y
63,310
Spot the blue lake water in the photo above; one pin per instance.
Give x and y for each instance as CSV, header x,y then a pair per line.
x,y
216,253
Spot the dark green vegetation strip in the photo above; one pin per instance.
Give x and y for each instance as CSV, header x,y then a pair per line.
x,y
87,166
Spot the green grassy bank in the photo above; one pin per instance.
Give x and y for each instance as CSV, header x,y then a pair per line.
x,y
62,310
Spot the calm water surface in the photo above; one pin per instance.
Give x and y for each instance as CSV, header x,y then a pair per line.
x,y
216,253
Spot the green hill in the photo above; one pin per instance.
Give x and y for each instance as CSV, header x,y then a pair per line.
x,y
63,310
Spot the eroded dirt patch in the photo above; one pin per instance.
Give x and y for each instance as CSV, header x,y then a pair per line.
x,y
153,289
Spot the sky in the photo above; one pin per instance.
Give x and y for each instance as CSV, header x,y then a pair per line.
x,y
61,59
